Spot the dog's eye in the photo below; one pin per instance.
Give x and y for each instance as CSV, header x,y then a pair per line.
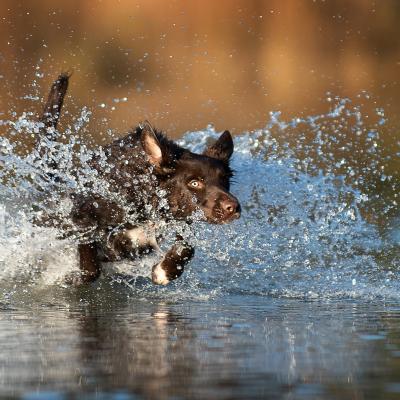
x,y
195,184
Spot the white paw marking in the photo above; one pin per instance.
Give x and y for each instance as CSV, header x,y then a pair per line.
x,y
142,236
137,236
159,276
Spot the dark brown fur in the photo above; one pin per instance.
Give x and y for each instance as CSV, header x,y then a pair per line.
x,y
139,166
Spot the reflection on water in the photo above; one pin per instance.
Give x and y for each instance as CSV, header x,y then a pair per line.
x,y
104,343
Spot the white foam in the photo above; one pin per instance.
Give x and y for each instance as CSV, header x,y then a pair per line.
x,y
301,234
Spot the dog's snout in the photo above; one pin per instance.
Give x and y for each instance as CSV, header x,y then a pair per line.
x,y
230,207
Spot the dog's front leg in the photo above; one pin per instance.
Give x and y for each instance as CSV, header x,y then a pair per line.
x,y
88,262
89,265
172,264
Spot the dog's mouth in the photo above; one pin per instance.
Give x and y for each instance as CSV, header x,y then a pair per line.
x,y
214,215
228,220
218,217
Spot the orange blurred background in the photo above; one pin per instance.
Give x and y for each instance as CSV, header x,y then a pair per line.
x,y
185,64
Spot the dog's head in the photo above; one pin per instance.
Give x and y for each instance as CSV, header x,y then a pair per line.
x,y
193,182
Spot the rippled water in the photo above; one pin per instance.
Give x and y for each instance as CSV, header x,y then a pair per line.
x,y
106,343
297,299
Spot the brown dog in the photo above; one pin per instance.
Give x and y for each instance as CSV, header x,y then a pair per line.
x,y
158,179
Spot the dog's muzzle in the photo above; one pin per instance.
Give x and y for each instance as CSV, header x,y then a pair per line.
x,y
230,208
226,210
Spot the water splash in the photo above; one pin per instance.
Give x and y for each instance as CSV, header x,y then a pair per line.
x,y
315,221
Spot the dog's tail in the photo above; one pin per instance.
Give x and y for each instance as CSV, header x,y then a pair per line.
x,y
49,120
52,109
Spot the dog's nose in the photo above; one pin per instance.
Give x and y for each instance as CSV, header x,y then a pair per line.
x,y
231,207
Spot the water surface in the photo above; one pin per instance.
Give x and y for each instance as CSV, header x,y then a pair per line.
x,y
102,343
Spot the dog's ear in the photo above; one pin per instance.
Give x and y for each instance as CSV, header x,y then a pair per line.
x,y
222,149
156,153
150,144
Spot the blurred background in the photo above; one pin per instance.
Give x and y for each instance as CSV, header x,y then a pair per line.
x,y
186,64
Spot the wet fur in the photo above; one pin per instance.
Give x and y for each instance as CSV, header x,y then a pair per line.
x,y
192,182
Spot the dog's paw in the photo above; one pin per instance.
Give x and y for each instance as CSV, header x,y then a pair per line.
x,y
159,275
172,265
